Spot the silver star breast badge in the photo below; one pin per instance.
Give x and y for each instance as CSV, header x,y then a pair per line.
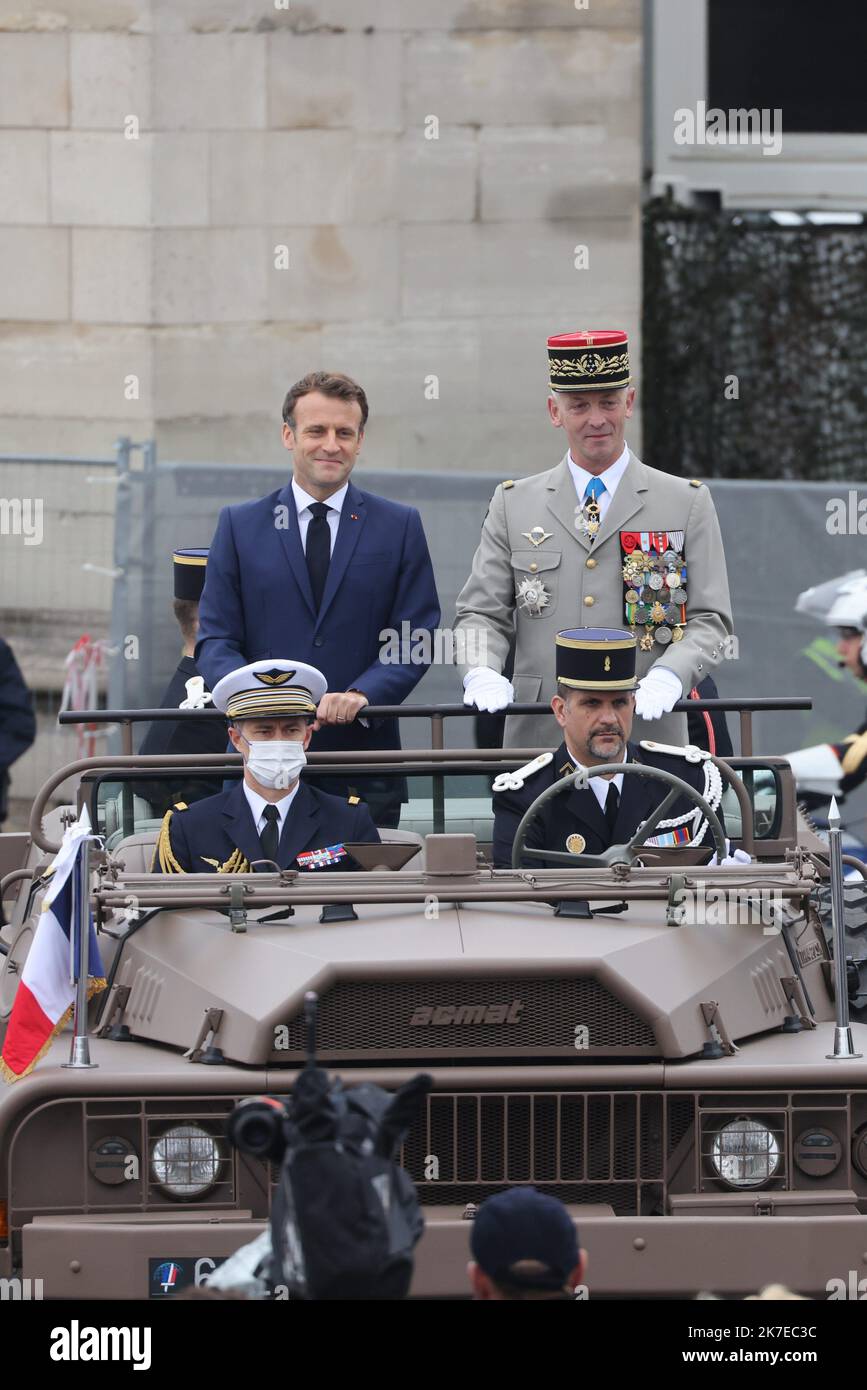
x,y
532,596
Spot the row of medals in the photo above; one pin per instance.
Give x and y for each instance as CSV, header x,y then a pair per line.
x,y
656,589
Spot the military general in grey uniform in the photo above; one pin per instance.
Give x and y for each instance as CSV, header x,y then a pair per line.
x,y
601,538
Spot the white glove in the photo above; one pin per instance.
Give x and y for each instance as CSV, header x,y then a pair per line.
x,y
738,856
658,693
487,690
197,695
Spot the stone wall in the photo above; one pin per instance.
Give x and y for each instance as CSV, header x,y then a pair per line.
x,y
145,292
144,289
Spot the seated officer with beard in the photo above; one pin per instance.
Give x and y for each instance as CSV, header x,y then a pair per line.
x,y
271,814
594,706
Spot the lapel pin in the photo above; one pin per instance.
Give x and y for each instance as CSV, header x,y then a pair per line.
x,y
352,516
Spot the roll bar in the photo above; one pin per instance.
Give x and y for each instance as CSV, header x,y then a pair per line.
x,y
438,713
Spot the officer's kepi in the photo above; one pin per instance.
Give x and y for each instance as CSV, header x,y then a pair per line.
x,y
593,360
596,658
189,573
270,689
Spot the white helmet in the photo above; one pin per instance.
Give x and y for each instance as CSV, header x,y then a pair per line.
x,y
849,608
818,601
840,602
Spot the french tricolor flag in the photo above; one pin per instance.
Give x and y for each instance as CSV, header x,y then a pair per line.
x,y
46,991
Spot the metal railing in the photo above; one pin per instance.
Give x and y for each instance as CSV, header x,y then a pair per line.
x,y
437,714
383,761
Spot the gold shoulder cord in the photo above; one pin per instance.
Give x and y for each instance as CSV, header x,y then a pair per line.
x,y
235,864
167,861
856,752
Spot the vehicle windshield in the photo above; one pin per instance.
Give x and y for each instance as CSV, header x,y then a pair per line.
x,y
134,802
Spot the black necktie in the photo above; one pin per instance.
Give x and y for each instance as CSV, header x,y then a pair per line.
x,y
318,549
612,805
270,835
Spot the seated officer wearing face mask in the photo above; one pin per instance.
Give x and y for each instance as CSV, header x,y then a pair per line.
x,y
270,815
594,706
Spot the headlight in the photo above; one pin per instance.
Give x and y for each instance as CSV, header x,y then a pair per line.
x,y
185,1161
745,1153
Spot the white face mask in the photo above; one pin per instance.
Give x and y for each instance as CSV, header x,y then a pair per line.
x,y
276,762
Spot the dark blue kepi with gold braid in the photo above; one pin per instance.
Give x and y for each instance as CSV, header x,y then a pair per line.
x,y
189,573
596,658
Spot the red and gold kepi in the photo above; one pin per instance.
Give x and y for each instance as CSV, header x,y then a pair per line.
x,y
593,360
596,658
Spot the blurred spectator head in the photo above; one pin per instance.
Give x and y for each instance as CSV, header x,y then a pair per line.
x,y
524,1246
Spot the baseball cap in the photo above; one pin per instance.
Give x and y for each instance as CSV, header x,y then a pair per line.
x,y
524,1225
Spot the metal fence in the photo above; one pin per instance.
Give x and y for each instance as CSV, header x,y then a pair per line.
x,y
61,566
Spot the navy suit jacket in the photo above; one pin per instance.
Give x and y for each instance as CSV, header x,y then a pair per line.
x,y
257,601
214,828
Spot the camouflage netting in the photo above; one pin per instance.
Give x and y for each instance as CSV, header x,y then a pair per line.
x,y
781,309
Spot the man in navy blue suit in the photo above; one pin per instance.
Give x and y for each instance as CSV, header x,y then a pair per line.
x,y
271,817
321,568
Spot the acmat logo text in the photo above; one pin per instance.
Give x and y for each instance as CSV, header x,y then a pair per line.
x,y
427,1015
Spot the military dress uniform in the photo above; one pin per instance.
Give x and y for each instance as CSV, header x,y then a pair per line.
x,y
838,768
852,753
187,736
220,834
654,561
576,821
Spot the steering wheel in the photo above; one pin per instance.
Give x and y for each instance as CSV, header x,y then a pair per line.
x,y
615,854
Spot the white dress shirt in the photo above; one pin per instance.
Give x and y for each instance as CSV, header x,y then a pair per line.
x,y
611,477
599,785
258,803
303,502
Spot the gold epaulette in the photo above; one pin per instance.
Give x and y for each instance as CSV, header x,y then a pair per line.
x,y
163,851
509,483
353,800
856,752
695,482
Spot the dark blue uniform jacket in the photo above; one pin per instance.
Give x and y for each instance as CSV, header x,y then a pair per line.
x,y
219,833
579,813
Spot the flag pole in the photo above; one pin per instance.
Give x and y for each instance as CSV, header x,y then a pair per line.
x,y
844,1046
79,1055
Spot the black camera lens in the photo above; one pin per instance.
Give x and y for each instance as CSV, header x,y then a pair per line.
x,y
255,1127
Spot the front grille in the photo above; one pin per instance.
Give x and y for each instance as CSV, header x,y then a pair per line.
x,y
586,1147
361,1020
